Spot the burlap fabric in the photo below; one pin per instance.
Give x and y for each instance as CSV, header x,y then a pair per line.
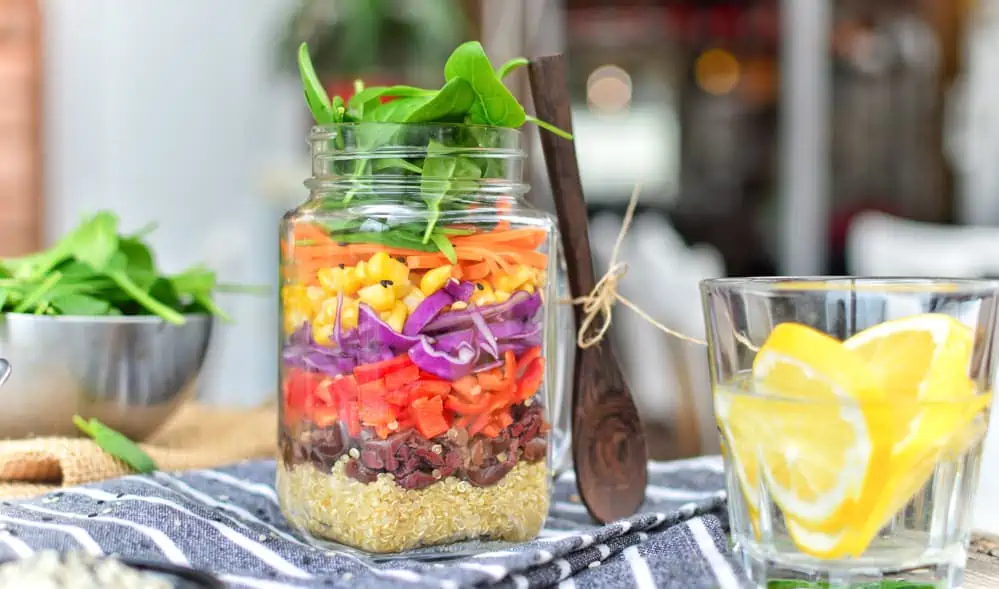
x,y
196,437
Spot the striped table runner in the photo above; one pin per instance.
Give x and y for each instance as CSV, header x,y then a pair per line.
x,y
227,521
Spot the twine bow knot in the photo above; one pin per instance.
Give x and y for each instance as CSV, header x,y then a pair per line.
x,y
600,301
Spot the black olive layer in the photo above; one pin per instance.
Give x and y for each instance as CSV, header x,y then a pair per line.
x,y
417,462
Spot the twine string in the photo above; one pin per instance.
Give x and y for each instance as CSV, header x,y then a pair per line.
x,y
599,302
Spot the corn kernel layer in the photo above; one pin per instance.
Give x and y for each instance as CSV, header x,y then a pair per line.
x,y
382,517
389,287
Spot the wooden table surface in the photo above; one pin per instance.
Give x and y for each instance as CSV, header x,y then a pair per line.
x,y
982,572
983,563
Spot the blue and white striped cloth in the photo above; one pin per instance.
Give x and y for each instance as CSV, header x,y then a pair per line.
x,y
227,521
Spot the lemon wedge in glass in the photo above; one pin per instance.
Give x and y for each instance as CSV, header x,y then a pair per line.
x,y
923,363
806,430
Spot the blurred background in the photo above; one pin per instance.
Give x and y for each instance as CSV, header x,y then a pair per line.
x,y
793,137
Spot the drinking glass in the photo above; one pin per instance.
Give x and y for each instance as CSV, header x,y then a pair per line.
x,y
852,413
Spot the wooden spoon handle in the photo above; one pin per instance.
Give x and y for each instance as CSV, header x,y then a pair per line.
x,y
563,172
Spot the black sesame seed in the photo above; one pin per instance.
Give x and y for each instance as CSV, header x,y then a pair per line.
x,y
100,502
479,286
6,504
386,283
46,518
12,533
261,511
57,494
119,495
91,515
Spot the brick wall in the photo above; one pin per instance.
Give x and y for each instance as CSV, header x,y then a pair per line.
x,y
20,127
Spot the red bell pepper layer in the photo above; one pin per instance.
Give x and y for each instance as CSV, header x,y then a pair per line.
x,y
395,395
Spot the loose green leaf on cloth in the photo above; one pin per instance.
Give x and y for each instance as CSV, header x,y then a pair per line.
x,y
116,444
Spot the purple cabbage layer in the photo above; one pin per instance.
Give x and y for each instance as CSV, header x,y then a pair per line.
x,y
448,344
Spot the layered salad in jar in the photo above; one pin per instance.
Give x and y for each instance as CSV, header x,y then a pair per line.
x,y
412,407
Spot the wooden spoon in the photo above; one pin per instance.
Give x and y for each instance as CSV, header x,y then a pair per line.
x,y
608,444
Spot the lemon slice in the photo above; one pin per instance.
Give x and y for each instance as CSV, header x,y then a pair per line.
x,y
922,357
854,537
806,430
914,472
819,544
738,450
921,363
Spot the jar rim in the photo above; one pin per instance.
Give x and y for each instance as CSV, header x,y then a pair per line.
x,y
334,127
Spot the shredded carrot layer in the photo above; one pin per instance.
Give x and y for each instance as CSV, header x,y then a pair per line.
x,y
529,239
310,232
479,254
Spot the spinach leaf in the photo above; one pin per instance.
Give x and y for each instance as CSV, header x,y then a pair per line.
x,y
445,246
194,280
37,293
451,102
198,283
140,264
397,111
373,136
549,127
96,241
119,271
116,444
367,99
395,163
346,117
441,173
494,104
315,95
145,231
418,229
454,231
162,290
515,63
81,304
391,238
339,109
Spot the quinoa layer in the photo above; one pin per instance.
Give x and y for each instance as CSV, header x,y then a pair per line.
x,y
382,517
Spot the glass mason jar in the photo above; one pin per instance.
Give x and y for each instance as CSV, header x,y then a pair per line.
x,y
418,313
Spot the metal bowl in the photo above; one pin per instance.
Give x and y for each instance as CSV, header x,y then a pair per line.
x,y
129,372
